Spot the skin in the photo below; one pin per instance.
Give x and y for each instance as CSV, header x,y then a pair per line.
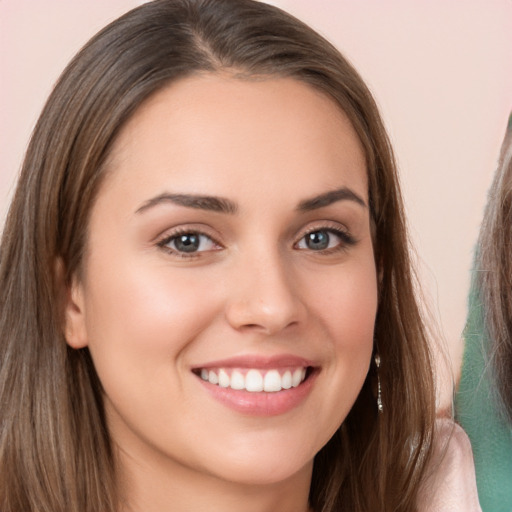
x,y
150,315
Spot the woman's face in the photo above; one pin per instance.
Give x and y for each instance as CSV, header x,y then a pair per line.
x,y
229,292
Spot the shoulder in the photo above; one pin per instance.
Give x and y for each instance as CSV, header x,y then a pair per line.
x,y
450,483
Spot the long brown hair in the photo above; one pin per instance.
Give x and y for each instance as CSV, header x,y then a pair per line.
x,y
494,277
55,450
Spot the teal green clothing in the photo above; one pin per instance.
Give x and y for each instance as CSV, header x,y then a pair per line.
x,y
490,435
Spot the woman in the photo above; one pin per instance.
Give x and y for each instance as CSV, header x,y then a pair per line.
x,y
484,399
207,300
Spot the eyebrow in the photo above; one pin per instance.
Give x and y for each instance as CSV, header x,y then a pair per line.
x,y
328,198
210,203
223,205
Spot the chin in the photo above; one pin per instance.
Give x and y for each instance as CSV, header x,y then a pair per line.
x,y
263,463
258,473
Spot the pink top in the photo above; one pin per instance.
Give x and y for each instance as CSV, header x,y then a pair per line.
x,y
451,484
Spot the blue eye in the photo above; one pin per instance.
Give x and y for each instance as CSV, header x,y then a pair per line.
x,y
188,243
324,239
318,240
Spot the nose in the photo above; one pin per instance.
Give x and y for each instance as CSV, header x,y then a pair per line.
x,y
264,296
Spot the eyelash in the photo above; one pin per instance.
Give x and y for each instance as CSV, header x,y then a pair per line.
x,y
346,241
163,244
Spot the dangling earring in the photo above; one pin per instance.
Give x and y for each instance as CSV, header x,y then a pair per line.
x,y
380,407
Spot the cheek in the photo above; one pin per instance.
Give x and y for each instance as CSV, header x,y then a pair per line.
x,y
139,312
345,300
354,319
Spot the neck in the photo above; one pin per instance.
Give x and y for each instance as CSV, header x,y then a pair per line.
x,y
171,487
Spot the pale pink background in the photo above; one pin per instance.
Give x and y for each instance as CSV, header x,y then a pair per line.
x,y
441,72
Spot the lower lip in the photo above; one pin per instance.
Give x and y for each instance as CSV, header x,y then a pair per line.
x,y
262,403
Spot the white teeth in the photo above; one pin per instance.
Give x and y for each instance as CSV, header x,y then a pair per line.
x,y
223,379
254,380
297,377
212,377
237,380
286,382
272,381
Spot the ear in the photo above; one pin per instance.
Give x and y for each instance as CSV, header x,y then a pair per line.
x,y
73,318
75,329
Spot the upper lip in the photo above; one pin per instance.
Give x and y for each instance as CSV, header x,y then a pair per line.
x,y
258,361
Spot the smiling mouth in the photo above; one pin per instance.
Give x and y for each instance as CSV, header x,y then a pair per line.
x,y
255,380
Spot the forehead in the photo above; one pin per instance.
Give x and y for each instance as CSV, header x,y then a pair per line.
x,y
210,132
